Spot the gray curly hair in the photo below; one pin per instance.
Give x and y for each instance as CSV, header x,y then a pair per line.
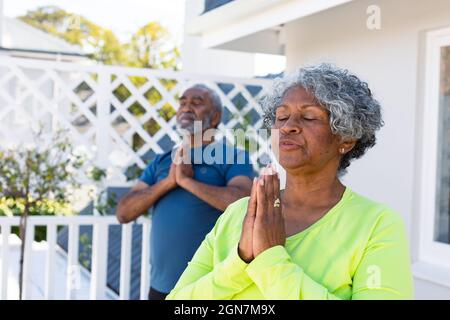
x,y
353,111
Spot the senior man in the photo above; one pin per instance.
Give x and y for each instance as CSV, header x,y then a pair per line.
x,y
188,196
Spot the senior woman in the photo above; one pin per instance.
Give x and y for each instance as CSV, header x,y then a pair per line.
x,y
316,239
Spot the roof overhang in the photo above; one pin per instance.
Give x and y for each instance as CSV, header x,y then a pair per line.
x,y
253,25
45,55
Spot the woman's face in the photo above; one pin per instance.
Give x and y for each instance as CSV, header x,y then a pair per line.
x,y
306,141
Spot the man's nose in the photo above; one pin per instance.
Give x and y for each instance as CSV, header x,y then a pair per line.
x,y
186,108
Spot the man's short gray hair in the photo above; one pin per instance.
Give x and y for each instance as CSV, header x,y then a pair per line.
x,y
353,111
217,103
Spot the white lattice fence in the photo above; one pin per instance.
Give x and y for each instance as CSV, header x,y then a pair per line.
x,y
123,116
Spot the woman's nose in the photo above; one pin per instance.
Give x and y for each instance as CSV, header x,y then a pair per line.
x,y
291,126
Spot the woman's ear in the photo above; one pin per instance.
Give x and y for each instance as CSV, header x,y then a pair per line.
x,y
346,146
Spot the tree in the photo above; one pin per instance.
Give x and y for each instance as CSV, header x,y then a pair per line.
x,y
100,43
38,179
150,47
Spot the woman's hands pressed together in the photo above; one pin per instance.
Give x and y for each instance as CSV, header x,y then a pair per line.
x,y
263,225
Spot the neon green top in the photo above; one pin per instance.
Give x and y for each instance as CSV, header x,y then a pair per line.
x,y
358,250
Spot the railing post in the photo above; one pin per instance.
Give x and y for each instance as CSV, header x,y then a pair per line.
x,y
125,261
99,260
145,259
49,286
73,272
5,259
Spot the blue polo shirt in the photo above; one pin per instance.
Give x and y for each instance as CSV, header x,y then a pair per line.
x,y
180,220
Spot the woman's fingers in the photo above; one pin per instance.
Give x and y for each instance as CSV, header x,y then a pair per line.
x,y
277,193
269,224
260,197
251,210
245,247
269,191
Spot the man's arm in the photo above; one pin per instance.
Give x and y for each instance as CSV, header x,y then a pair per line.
x,y
218,197
142,197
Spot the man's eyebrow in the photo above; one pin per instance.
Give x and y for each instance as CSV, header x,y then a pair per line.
x,y
194,97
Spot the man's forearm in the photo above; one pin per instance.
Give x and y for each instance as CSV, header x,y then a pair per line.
x,y
218,197
135,203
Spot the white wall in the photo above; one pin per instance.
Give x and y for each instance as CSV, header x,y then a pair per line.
x,y
391,61
196,59
1,22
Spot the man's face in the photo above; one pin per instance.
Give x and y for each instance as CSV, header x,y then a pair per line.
x,y
195,105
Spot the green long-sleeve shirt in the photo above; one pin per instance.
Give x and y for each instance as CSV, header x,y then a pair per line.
x,y
357,250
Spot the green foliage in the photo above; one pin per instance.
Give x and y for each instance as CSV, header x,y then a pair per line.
x,y
97,174
15,207
101,44
39,172
34,179
149,47
86,251
108,204
39,178
46,207
133,172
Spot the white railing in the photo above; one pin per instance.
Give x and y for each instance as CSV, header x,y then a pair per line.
x,y
98,285
119,114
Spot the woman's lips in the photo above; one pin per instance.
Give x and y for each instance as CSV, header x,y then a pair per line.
x,y
288,145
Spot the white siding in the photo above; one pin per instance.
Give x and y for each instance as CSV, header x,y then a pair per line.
x,y
200,60
391,60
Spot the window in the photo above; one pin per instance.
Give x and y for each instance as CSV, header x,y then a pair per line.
x,y
434,180
442,222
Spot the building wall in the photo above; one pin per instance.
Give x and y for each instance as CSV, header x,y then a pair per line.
x,y
196,59
391,60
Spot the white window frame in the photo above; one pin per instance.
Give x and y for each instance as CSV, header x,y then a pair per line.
x,y
430,251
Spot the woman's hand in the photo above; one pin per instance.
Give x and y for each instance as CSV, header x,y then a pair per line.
x,y
245,248
263,225
268,228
